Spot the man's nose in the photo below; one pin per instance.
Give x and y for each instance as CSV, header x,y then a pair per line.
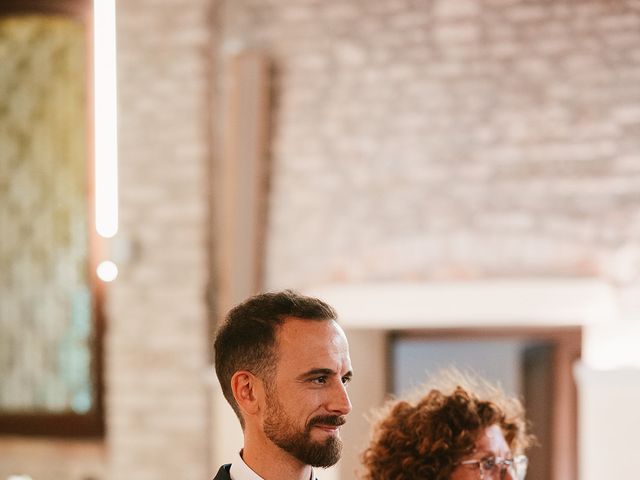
x,y
340,403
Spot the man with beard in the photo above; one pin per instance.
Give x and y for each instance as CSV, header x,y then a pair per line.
x,y
283,363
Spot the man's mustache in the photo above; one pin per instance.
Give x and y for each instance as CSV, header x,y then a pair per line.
x,y
330,420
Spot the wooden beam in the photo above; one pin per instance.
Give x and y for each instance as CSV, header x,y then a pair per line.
x,y
242,180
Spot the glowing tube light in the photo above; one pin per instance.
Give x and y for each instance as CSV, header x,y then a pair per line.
x,y
105,117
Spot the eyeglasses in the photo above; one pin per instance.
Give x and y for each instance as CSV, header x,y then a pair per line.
x,y
496,467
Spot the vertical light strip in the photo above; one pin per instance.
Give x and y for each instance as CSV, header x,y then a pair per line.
x,y
105,112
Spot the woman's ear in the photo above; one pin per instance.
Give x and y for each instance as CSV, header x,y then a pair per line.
x,y
245,386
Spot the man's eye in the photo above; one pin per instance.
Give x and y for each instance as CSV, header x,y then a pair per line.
x,y
346,380
319,380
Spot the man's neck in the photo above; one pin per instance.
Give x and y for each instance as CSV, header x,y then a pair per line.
x,y
271,462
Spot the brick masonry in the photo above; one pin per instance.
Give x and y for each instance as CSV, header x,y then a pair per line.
x,y
421,140
157,339
412,140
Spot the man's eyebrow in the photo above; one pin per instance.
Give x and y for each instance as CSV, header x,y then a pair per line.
x,y
322,371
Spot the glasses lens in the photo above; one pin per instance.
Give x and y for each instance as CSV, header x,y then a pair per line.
x,y
520,464
516,468
511,470
488,464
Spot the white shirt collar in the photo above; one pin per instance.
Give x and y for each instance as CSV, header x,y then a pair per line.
x,y
241,471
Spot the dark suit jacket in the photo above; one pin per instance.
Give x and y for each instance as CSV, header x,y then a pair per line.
x,y
223,473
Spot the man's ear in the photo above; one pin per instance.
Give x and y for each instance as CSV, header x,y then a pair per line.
x,y
245,387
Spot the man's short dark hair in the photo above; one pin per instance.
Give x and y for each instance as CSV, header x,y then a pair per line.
x,y
247,338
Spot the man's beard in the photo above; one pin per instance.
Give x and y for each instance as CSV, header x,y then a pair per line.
x,y
281,430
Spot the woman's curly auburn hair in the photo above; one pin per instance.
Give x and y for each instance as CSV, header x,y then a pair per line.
x,y
425,439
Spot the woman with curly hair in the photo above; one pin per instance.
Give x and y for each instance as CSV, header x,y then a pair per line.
x,y
462,429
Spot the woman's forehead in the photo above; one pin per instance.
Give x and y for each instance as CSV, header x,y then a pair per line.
x,y
492,441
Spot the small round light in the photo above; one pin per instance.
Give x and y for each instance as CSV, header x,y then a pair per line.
x,y
107,271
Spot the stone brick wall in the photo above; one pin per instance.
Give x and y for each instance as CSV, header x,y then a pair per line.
x,y
435,139
157,338
412,140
